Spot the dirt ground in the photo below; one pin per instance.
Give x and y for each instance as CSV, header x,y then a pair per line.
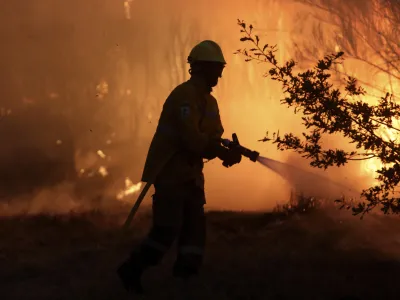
x,y
318,255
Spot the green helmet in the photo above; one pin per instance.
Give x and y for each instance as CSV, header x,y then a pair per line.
x,y
206,51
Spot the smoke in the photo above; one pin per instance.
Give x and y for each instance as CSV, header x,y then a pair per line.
x,y
106,76
56,200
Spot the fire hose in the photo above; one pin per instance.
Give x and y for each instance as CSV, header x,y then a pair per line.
x,y
230,144
135,207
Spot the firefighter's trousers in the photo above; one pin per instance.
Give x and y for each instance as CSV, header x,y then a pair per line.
x,y
178,213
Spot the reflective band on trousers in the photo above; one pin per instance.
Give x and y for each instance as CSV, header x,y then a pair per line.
x,y
156,245
191,250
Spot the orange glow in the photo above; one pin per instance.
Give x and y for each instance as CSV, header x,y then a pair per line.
x,y
372,165
119,67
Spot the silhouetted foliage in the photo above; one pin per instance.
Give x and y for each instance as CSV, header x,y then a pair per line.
x,y
330,110
299,204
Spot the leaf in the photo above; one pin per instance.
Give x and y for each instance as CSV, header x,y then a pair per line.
x,y
245,38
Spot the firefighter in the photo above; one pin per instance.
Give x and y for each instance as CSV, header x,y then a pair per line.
x,y
189,131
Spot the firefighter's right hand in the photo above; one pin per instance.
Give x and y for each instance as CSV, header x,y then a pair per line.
x,y
232,157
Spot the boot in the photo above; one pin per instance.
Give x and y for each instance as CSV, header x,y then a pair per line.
x,y
186,281
182,289
130,276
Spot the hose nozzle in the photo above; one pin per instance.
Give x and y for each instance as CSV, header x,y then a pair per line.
x,y
252,155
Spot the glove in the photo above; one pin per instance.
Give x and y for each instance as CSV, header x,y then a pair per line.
x,y
231,157
212,150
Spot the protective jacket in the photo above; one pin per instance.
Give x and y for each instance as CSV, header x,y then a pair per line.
x,y
188,130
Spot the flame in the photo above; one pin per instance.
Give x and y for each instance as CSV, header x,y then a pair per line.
x,y
127,9
102,89
103,171
130,188
371,166
101,154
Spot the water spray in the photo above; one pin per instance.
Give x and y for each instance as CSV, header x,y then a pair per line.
x,y
298,178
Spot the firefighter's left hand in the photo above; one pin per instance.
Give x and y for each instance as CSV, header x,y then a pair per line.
x,y
232,157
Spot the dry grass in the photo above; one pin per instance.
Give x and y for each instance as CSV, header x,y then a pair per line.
x,y
318,255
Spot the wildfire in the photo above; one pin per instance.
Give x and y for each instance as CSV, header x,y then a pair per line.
x,y
102,89
127,9
103,171
372,165
130,188
101,154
